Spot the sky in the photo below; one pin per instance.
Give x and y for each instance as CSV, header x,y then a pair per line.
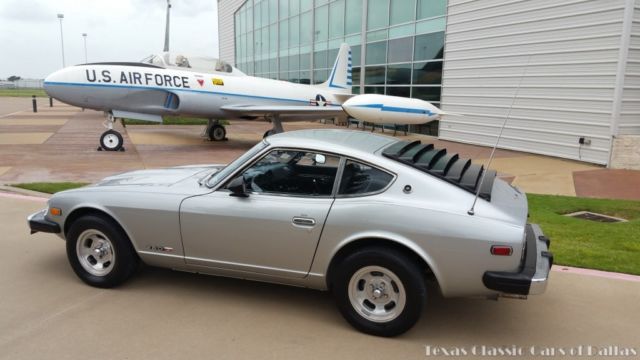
x,y
117,30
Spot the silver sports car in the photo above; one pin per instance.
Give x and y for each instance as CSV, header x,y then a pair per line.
x,y
365,216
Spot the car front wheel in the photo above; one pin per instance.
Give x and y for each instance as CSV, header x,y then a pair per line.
x,y
380,291
100,252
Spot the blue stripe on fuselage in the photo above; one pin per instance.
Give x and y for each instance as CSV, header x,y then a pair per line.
x,y
178,89
382,107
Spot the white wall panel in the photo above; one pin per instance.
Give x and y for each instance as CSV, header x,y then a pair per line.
x,y
561,57
226,30
629,123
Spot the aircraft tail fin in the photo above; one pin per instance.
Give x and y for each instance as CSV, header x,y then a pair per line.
x,y
340,80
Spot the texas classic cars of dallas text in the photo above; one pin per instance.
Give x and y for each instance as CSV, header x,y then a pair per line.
x,y
368,217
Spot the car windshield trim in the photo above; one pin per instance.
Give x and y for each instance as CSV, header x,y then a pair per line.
x,y
235,164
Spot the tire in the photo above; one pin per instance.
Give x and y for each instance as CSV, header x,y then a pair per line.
x,y
217,133
379,291
111,140
99,252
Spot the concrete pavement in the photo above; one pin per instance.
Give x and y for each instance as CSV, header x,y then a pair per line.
x,y
47,312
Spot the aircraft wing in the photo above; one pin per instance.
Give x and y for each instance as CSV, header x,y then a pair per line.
x,y
306,111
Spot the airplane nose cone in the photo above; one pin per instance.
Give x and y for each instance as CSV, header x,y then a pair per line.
x,y
51,83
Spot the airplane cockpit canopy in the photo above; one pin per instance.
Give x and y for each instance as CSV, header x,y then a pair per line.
x,y
191,63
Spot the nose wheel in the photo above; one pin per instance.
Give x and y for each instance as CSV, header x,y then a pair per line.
x,y
111,140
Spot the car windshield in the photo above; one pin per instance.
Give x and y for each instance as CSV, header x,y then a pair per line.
x,y
222,174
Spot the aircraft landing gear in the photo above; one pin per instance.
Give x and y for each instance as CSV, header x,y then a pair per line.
x,y
277,127
215,131
111,140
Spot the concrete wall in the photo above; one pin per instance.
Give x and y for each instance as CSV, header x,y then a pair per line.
x,y
561,57
226,32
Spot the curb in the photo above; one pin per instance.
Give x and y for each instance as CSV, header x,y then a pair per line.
x,y
595,273
25,192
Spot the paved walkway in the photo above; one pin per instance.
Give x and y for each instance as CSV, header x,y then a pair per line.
x,y
59,144
47,312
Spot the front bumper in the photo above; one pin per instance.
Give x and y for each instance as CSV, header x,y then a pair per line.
x,y
38,223
534,272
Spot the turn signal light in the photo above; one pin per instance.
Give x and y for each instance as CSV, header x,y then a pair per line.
x,y
501,250
55,211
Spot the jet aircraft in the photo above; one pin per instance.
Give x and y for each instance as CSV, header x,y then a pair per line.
x,y
169,84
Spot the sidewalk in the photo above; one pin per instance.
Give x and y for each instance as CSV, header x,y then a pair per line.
x,y
59,144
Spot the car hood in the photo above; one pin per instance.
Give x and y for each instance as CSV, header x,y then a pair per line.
x,y
158,177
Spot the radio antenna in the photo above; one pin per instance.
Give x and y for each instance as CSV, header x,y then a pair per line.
x,y
493,151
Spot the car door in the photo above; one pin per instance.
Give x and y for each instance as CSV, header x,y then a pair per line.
x,y
275,229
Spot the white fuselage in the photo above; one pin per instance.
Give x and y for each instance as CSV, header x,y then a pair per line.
x,y
170,91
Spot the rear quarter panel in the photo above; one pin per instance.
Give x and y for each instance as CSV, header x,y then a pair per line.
x,y
432,220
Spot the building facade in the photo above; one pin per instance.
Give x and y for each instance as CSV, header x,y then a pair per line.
x,y
564,75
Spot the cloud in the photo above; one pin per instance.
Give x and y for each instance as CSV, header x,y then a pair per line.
x,y
25,10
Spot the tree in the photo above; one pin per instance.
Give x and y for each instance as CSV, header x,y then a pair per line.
x,y
13,78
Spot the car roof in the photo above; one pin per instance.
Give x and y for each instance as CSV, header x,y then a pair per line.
x,y
337,140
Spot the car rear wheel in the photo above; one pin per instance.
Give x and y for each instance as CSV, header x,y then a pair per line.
x,y
379,291
99,252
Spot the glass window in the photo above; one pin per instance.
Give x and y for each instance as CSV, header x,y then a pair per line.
x,y
284,63
359,179
273,11
305,28
374,75
427,73
399,74
427,93
294,31
353,14
332,55
355,55
403,91
273,38
336,19
377,14
431,25
355,75
400,50
320,76
305,5
305,77
321,23
265,12
356,90
376,53
374,90
284,9
320,59
273,65
429,46
305,61
294,7
284,34
402,11
293,172
257,17
294,62
431,8
235,164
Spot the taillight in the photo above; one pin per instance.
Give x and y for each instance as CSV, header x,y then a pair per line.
x,y
501,250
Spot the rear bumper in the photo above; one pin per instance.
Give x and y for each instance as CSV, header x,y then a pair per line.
x,y
38,223
534,273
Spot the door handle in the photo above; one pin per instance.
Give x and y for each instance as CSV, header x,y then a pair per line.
x,y
303,221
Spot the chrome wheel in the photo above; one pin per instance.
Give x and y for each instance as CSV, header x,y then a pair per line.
x,y
95,252
377,294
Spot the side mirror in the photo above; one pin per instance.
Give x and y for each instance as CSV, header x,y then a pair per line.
x,y
320,159
238,187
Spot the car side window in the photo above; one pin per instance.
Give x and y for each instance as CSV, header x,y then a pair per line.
x,y
293,172
358,178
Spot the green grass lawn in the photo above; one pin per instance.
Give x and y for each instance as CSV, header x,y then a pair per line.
x,y
574,242
590,244
50,187
23,92
174,120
